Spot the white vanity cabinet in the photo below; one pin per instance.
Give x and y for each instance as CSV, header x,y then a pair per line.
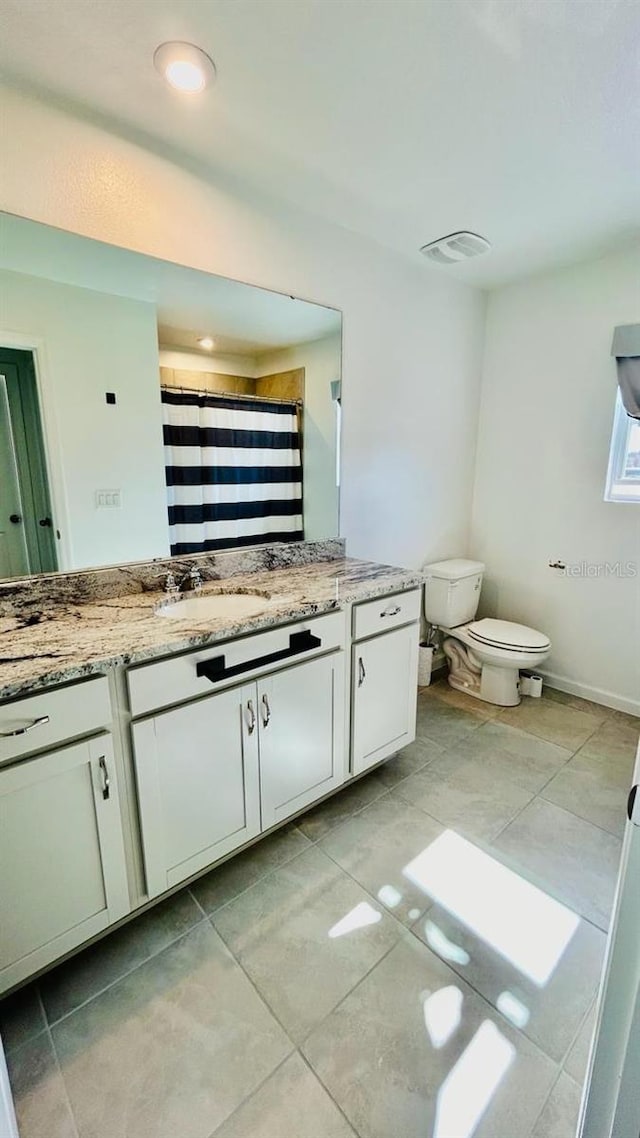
x,y
216,771
302,736
62,864
384,678
198,784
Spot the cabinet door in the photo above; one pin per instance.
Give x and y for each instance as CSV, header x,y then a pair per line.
x,y
302,738
384,693
197,771
62,866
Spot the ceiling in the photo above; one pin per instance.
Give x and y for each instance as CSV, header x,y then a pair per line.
x,y
242,318
401,119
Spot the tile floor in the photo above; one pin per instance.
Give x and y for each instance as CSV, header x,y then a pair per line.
x,y
416,958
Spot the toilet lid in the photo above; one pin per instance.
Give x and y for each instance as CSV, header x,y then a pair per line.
x,y
506,634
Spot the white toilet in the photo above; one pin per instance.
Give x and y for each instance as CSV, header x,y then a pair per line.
x,y
485,656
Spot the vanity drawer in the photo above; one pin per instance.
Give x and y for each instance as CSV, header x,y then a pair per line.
x,y
40,721
172,681
372,617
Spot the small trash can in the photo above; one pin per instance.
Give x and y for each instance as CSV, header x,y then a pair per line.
x,y
425,664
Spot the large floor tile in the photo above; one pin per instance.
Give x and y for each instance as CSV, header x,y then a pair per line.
x,y
413,1051
595,784
559,1119
39,1094
443,691
376,846
463,792
508,960
347,802
576,1061
553,721
628,720
408,761
575,861
172,1049
21,1017
444,724
614,743
515,756
95,968
306,935
578,703
242,871
291,1103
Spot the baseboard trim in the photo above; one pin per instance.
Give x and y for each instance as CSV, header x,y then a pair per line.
x,y
596,695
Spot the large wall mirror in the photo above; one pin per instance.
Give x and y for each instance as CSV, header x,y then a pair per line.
x,y
147,409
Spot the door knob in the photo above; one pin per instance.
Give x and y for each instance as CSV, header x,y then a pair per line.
x,y
45,522
15,518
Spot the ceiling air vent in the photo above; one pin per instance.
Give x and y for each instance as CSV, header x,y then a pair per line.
x,y
456,247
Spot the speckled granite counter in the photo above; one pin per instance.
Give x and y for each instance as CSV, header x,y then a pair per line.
x,y
47,640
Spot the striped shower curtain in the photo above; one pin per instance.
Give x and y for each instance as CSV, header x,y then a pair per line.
x,y
233,470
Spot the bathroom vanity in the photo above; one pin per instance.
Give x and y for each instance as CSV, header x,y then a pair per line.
x,y
136,751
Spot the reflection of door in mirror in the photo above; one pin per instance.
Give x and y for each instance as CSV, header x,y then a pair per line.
x,y
27,541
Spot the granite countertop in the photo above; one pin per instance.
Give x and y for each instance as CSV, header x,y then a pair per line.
x,y
56,643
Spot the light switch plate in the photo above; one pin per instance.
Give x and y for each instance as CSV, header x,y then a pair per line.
x,y
108,499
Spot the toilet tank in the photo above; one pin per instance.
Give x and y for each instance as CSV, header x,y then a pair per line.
x,y
452,591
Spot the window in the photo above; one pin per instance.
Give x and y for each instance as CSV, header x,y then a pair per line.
x,y
623,475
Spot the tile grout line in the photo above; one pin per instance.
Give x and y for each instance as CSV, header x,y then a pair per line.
x,y
252,1093
129,972
72,1115
335,1102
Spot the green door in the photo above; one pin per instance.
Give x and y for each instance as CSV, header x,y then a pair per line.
x,y
27,531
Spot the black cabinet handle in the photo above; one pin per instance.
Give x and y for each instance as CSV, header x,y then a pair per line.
x,y
216,669
631,801
15,519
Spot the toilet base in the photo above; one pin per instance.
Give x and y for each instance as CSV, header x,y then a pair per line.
x,y
497,685
485,681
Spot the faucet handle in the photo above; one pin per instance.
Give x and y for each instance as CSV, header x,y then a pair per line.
x,y
196,579
171,587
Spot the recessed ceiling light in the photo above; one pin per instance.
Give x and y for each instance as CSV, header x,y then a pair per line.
x,y
185,67
207,342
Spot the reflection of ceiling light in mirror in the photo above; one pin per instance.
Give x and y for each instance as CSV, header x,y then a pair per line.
x,y
207,343
185,67
525,925
360,917
469,1087
442,1014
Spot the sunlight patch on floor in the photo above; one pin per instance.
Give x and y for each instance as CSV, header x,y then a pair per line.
x,y
469,1087
527,927
360,917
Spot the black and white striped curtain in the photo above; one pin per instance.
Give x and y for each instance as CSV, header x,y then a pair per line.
x,y
233,469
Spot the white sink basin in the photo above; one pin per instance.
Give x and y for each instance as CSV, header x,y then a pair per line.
x,y
215,605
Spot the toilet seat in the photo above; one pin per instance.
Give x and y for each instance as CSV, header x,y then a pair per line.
x,y
507,634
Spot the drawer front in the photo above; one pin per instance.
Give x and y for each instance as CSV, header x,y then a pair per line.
x,y
385,613
41,721
172,681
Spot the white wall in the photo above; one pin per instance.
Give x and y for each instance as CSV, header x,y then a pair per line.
x,y
548,398
412,337
96,446
182,360
321,362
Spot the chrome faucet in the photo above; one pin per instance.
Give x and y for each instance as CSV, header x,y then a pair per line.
x,y
194,576
171,589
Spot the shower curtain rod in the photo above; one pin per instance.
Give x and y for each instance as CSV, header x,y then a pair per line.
x,y
231,395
